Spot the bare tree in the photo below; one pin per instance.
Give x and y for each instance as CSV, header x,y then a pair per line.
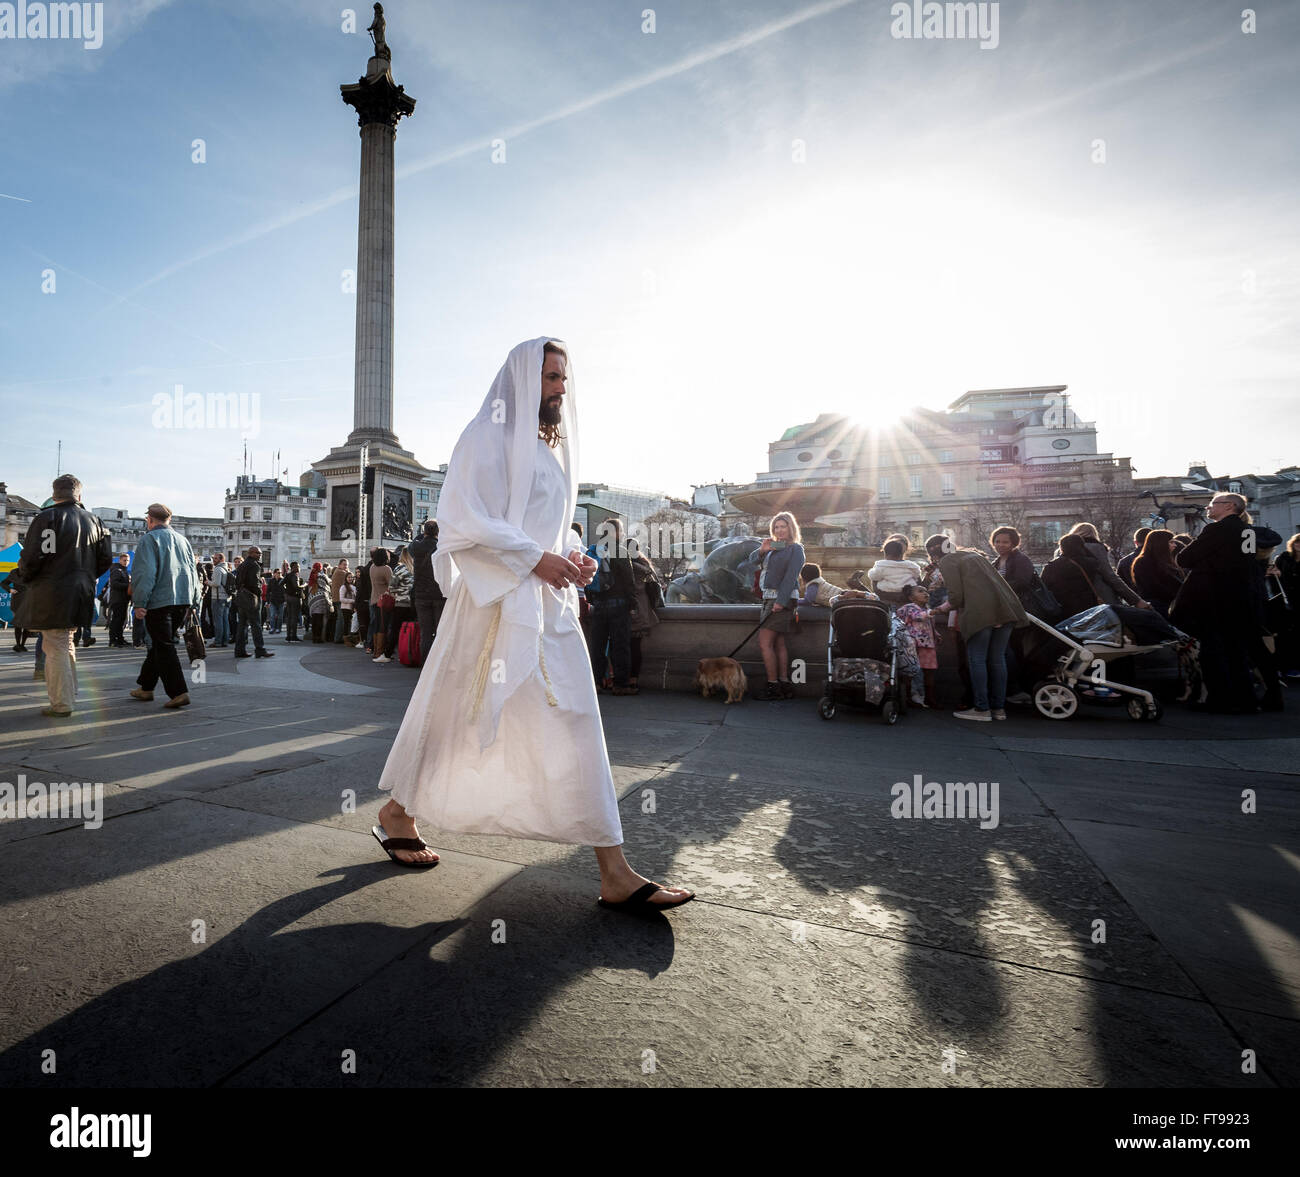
x,y
1115,509
983,515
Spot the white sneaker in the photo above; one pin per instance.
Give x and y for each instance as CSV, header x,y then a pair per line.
x,y
381,658
919,703
978,716
999,714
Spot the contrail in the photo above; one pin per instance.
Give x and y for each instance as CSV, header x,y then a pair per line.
x,y
703,57
121,298
8,197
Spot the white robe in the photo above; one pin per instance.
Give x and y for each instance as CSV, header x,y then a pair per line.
x,y
545,772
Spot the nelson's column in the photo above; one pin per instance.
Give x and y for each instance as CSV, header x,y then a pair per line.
x,y
390,511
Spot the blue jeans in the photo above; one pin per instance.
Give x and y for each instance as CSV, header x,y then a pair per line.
x,y
376,618
220,624
275,614
986,651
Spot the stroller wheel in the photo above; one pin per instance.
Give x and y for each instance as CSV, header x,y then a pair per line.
x,y
1138,709
826,708
1055,700
889,712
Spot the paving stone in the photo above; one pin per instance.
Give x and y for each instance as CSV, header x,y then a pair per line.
x,y
1020,892
99,963
1225,907
580,997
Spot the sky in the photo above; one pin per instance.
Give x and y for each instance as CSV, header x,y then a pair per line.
x,y
754,213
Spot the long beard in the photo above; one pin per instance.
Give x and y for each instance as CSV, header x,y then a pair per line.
x,y
548,424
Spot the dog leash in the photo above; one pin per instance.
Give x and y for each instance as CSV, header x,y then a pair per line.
x,y
755,630
746,638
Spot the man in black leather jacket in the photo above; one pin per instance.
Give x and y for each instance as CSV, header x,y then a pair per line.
x,y
66,551
248,603
119,580
426,596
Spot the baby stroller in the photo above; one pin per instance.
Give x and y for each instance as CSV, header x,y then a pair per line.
x,y
1091,639
862,659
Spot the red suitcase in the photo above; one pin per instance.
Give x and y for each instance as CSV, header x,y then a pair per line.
x,y
408,643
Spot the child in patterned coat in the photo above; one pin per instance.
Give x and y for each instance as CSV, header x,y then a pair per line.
x,y
916,615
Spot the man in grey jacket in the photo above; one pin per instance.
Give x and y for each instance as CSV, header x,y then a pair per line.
x,y
220,603
164,588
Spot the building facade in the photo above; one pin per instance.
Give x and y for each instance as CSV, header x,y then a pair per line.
x,y
598,501
426,496
285,522
16,515
1014,456
1273,500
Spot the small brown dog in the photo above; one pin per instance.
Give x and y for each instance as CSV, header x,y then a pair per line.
x,y
721,674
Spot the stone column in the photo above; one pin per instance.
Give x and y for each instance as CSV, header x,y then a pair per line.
x,y
379,104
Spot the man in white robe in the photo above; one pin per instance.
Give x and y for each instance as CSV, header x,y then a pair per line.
x,y
503,733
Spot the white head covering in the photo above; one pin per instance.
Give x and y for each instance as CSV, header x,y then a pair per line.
x,y
481,510
501,437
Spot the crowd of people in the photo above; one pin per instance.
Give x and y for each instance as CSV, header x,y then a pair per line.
x,y
165,590
1234,588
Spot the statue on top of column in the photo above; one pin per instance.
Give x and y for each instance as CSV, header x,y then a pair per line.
x,y
376,31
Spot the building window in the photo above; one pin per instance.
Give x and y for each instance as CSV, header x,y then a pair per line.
x,y
835,455
805,456
266,535
232,514
422,494
913,459
1234,487
946,456
1043,536
248,512
421,514
884,491
245,535
916,485
948,487
266,514
294,516
313,516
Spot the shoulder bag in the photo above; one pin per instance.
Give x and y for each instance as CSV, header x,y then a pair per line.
x,y
195,650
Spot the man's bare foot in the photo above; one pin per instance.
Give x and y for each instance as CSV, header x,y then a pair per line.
x,y
616,890
398,823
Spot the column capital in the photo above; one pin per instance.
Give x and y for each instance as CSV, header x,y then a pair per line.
x,y
378,99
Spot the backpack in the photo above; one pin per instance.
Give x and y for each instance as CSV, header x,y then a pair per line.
x,y
408,644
